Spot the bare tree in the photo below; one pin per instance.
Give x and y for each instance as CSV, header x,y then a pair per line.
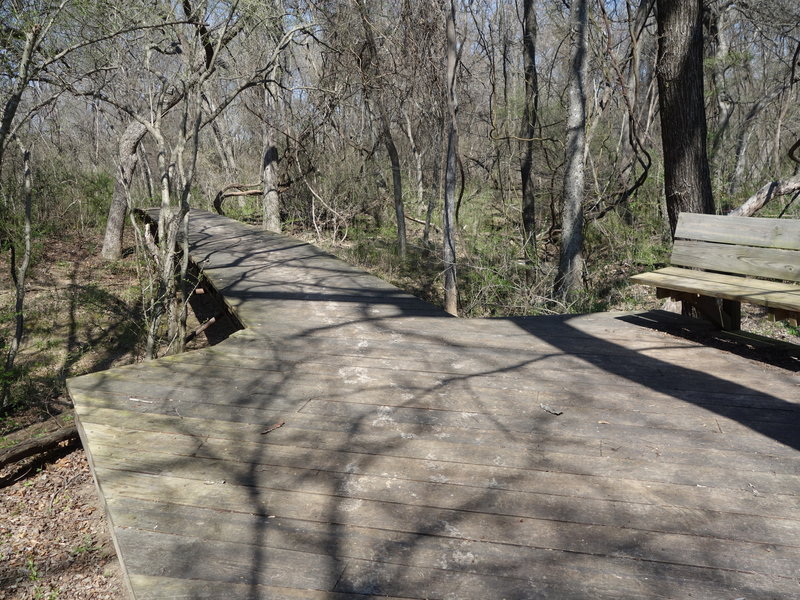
x,y
569,279
172,76
39,45
373,92
450,225
528,128
270,198
19,271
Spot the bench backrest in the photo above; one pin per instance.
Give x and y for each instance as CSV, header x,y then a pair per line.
x,y
768,248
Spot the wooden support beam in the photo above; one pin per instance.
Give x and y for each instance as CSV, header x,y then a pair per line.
x,y
725,314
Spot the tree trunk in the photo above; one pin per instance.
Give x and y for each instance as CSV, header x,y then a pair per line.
x,y
725,103
687,182
371,74
418,165
449,251
19,274
145,172
397,184
128,159
19,84
528,129
271,206
436,182
569,279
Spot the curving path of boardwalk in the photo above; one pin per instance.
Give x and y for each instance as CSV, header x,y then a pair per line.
x,y
423,456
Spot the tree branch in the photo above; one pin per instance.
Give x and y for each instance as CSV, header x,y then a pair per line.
x,y
771,190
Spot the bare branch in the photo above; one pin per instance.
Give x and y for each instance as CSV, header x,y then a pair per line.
x,y
769,191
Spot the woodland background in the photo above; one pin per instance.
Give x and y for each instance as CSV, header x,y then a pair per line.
x,y
497,157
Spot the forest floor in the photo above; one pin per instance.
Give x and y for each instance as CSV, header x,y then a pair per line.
x,y
83,317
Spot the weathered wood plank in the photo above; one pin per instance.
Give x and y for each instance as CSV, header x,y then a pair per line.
x,y
360,581
649,374
360,577
685,549
264,389
483,357
471,556
476,409
166,588
181,446
744,260
191,557
558,506
748,286
656,373
752,231
668,443
609,458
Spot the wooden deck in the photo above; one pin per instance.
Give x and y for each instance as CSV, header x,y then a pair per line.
x,y
424,456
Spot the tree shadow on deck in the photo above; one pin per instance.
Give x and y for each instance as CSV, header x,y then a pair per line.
x,y
776,353
422,456
417,481
683,381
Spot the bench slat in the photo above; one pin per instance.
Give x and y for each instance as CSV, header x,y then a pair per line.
x,y
744,260
729,287
749,231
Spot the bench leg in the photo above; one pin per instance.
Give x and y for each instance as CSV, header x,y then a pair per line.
x,y
725,314
790,316
731,315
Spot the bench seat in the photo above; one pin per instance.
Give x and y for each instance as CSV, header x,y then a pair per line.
x,y
774,295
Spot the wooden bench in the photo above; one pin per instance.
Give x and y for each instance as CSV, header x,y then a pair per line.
x,y
718,262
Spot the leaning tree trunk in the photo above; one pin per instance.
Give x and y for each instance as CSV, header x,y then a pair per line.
x,y
371,78
766,193
397,183
128,159
569,279
687,181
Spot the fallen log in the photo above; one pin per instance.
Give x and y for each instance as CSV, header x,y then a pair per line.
x,y
38,445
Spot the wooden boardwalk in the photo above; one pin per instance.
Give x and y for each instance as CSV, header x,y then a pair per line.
x,y
423,456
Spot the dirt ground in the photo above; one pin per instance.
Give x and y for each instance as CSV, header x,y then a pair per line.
x,y
54,540
82,316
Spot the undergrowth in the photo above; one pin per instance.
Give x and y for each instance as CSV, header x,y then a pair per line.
x,y
496,279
